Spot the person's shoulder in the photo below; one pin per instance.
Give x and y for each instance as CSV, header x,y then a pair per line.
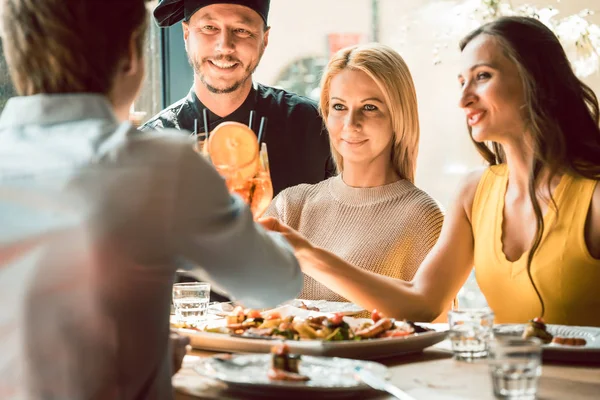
x,y
167,135
166,118
166,152
296,193
164,143
424,201
468,189
470,182
292,101
305,191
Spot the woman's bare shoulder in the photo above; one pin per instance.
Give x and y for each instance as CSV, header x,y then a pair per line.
x,y
468,189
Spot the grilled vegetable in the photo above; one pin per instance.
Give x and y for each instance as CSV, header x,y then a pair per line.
x,y
285,365
537,328
376,329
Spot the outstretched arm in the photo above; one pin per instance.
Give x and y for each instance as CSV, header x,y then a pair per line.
x,y
216,231
435,284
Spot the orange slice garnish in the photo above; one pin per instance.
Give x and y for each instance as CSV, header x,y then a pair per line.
x,y
233,150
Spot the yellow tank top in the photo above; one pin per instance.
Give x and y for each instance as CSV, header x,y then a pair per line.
x,y
563,269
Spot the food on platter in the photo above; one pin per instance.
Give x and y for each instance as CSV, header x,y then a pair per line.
x,y
330,327
284,366
184,325
569,341
537,328
305,307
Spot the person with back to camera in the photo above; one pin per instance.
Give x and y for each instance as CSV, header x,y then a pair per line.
x,y
95,214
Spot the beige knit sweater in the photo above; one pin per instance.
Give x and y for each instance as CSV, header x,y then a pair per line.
x,y
387,229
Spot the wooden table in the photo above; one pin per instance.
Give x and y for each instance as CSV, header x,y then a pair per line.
x,y
431,375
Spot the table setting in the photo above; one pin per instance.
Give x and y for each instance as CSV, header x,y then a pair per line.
x,y
325,349
468,357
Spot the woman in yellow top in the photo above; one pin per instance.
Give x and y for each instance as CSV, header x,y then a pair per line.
x,y
531,222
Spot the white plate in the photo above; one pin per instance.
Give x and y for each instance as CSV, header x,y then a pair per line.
x,y
324,306
368,349
558,352
248,373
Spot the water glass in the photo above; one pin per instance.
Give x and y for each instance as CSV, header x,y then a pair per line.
x,y
515,367
470,332
190,300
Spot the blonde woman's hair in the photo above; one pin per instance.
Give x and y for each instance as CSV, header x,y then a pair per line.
x,y
389,71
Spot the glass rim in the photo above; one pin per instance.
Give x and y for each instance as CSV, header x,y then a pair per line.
x,y
191,284
472,311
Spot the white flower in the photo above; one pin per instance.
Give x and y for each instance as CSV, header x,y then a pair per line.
x,y
580,38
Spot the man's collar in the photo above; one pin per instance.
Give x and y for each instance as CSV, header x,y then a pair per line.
x,y
44,109
241,114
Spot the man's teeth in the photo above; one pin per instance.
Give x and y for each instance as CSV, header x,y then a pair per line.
x,y
223,65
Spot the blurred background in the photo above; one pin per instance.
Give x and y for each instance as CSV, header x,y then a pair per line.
x,y
425,32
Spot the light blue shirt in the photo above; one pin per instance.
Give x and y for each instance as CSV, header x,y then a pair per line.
x,y
94,217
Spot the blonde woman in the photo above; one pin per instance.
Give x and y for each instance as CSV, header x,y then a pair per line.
x,y
370,214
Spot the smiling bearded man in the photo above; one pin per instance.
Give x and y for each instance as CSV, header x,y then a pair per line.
x,y
225,41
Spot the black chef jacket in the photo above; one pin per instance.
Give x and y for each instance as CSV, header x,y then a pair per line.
x,y
296,139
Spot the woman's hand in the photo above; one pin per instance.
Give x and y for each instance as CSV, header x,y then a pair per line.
x,y
296,239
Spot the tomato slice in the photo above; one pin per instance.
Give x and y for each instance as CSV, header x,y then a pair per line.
x,y
376,315
254,314
274,315
337,319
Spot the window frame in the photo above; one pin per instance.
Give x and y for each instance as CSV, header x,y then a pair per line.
x,y
177,74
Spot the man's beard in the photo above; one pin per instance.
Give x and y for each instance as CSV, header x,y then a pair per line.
x,y
233,87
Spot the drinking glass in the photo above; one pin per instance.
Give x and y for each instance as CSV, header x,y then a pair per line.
x,y
258,191
190,300
200,144
515,367
470,332
245,170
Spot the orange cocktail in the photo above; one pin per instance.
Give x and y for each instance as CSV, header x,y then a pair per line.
x,y
233,149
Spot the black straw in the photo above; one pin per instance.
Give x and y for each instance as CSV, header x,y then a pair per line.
x,y
262,131
205,117
251,121
195,127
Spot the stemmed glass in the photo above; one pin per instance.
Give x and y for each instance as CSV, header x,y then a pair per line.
x,y
257,192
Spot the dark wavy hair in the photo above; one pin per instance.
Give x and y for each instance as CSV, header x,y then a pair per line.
x,y
561,112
